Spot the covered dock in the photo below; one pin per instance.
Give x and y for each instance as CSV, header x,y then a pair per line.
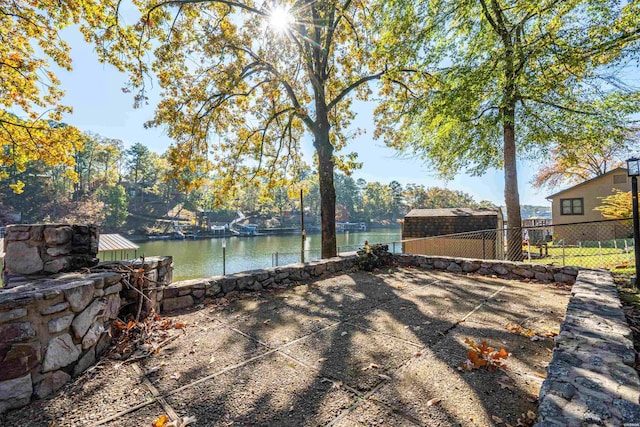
x,y
113,245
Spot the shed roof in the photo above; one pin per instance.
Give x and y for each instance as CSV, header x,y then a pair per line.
x,y
587,181
451,212
114,242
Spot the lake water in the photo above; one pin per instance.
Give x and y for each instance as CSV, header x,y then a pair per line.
x,y
203,258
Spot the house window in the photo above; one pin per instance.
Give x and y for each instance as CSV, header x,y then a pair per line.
x,y
572,206
619,179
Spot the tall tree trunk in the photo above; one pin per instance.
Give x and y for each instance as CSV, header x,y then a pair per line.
x,y
324,149
511,195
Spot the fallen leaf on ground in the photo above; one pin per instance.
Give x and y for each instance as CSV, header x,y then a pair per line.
x,y
266,321
497,419
161,422
385,377
540,375
434,401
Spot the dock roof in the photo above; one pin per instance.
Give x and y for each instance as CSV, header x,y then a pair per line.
x,y
115,242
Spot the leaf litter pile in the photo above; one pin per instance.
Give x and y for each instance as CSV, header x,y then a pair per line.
x,y
140,339
483,356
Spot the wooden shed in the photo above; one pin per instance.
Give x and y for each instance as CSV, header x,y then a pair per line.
x,y
455,227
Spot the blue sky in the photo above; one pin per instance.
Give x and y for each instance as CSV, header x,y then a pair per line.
x,y
99,105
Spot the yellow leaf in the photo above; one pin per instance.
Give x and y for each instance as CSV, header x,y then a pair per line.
x,y
161,422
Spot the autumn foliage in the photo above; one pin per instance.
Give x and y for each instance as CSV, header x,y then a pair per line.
x,y
30,93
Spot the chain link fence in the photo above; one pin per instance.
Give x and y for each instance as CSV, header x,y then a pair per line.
x,y
599,244
604,244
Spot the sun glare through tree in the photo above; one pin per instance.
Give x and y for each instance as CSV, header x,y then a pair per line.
x,y
280,18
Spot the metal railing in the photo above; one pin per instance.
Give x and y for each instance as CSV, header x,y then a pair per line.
x,y
598,244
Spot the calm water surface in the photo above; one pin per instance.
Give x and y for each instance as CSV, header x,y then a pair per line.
x,y
203,258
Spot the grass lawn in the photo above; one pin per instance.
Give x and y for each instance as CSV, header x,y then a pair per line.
x,y
616,260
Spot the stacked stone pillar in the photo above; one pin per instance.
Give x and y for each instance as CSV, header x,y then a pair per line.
x,y
40,250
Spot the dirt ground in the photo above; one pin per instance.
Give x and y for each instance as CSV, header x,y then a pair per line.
x,y
356,349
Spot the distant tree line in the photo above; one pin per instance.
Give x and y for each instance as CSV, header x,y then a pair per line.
x,y
97,186
107,184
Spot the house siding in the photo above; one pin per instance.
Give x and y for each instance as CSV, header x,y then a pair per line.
x,y
592,193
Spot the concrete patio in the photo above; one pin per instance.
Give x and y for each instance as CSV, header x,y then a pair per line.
x,y
352,349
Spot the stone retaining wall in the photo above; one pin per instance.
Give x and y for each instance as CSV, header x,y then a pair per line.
x,y
188,293
591,379
54,328
502,269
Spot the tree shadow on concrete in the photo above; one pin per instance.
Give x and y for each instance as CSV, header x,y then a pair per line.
x,y
342,357
352,349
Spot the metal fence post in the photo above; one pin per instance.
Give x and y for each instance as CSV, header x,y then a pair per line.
x,y
224,259
563,252
276,259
